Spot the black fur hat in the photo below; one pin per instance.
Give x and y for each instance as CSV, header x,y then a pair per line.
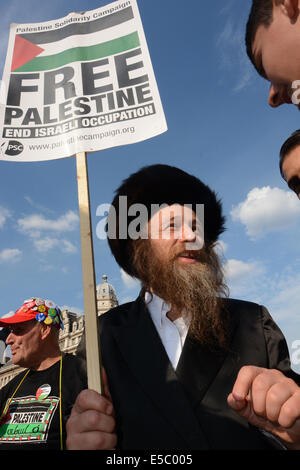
x,y
164,184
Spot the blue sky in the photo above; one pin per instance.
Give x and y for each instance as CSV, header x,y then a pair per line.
x,y
220,128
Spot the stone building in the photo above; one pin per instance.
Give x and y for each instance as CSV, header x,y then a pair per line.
x,y
70,336
106,296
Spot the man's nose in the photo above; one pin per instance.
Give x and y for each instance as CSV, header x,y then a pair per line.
x,y
188,234
278,95
10,339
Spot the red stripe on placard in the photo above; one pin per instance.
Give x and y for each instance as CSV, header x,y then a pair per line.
x,y
24,51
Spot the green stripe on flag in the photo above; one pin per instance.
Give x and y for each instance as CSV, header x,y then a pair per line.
x,y
81,54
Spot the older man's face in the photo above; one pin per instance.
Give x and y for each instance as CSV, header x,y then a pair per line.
x,y
177,266
175,231
24,340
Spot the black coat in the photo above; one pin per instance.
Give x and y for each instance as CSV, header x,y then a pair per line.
x,y
159,408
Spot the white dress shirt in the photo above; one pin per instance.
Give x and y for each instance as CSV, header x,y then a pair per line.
x,y
172,333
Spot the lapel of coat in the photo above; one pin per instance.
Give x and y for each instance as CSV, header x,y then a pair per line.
x,y
199,365
143,351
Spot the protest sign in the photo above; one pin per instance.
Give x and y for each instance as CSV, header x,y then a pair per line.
x,y
79,84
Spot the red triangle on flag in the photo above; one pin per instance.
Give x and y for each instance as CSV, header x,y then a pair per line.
x,y
24,51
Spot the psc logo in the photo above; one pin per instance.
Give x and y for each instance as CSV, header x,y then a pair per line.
x,y
12,148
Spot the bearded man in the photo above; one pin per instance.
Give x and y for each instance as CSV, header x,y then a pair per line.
x,y
172,356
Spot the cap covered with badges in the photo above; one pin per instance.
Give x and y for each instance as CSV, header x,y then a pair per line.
x,y
36,309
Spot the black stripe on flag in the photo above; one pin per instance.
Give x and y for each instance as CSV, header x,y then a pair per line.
x,y
80,28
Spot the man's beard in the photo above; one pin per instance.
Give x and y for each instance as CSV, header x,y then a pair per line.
x,y
196,290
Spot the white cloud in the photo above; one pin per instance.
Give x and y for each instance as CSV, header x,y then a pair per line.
x,y
278,291
36,223
284,300
10,255
228,35
43,245
38,206
130,282
244,278
236,269
230,45
267,210
220,248
4,215
48,267
68,247
225,9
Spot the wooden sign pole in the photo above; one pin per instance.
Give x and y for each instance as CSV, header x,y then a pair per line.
x,y
93,351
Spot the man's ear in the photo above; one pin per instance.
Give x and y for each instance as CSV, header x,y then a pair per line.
x,y
45,330
289,7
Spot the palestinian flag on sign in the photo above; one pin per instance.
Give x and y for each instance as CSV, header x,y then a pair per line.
x,y
76,42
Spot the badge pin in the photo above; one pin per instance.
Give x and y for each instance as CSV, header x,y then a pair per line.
x,y
42,392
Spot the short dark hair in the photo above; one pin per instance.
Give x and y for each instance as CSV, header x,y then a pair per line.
x,y
290,143
261,14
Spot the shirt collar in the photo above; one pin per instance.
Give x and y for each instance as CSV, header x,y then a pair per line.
x,y
157,307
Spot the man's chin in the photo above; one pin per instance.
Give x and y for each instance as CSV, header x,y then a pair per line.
x,y
17,360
